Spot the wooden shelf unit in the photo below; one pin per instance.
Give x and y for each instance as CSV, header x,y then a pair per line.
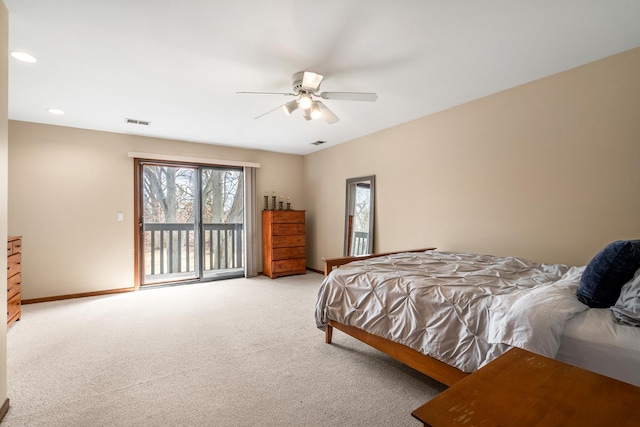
x,y
14,278
283,243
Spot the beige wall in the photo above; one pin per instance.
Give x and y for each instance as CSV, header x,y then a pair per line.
x,y
547,171
66,186
4,101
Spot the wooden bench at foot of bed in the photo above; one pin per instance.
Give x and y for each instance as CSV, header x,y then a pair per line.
x,y
427,365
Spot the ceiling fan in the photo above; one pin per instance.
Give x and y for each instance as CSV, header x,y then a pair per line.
x,y
305,88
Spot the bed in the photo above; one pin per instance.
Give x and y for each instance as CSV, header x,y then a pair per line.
x,y
448,314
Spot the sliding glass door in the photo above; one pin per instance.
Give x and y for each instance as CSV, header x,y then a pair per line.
x,y
222,227
191,223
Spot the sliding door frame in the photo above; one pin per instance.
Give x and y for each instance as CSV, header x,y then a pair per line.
x,y
199,226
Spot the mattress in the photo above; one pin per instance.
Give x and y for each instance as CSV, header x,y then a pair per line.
x,y
593,341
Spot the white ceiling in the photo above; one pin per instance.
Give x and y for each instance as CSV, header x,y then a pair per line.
x,y
179,64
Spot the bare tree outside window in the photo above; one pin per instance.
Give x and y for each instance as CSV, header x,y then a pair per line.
x,y
361,210
170,199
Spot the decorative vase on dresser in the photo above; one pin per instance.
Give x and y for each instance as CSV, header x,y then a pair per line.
x,y
14,278
283,243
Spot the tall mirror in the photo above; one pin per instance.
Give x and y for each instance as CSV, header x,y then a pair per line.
x,y
358,225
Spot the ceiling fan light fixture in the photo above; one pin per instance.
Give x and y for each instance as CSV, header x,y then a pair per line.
x,y
305,101
290,107
315,112
311,81
24,56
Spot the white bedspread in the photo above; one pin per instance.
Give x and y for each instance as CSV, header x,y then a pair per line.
x,y
462,309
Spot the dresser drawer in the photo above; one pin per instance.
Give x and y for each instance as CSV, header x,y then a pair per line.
x,y
14,278
289,265
14,246
13,285
13,306
287,241
13,264
289,253
286,229
287,216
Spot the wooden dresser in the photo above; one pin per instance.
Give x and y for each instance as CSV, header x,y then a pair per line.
x,y
14,278
283,243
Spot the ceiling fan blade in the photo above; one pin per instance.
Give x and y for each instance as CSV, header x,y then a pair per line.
x,y
270,111
327,114
350,96
266,93
311,81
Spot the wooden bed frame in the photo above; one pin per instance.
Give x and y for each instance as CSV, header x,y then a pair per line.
x,y
427,365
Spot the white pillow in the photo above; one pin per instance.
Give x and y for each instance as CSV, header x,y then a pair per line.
x,y
626,311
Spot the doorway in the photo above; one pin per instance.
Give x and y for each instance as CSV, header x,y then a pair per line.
x,y
191,222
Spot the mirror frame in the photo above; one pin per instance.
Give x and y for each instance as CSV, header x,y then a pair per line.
x,y
350,193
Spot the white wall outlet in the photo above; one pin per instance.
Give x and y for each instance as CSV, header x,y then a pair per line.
x,y
120,216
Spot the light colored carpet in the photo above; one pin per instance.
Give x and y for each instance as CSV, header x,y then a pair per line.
x,y
241,352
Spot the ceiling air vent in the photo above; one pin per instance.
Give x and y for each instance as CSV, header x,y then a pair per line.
x,y
137,122
318,142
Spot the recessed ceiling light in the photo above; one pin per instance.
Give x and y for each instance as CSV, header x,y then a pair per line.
x,y
55,111
24,56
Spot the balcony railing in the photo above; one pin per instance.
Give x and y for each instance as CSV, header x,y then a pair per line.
x,y
171,248
360,243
